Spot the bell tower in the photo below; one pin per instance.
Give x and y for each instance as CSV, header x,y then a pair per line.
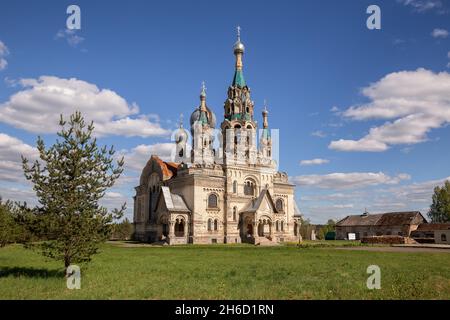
x,y
202,129
238,126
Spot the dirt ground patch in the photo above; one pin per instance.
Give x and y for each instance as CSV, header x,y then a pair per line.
x,y
396,249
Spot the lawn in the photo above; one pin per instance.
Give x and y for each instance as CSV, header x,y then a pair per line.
x,y
227,272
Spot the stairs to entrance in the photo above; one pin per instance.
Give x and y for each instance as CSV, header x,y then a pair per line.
x,y
263,241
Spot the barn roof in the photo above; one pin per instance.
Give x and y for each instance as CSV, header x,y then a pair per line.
x,y
433,226
383,219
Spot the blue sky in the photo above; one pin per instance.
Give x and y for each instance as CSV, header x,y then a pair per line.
x,y
367,111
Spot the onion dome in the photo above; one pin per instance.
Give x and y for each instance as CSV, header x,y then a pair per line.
x,y
203,114
239,46
181,134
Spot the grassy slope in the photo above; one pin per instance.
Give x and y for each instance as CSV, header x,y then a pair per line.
x,y
228,272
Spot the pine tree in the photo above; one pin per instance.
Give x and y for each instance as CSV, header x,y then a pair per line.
x,y
7,228
69,183
440,208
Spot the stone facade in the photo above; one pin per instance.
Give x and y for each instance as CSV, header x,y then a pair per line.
x,y
227,189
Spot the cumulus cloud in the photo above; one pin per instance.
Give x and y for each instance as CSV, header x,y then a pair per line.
x,y
416,192
36,108
415,102
136,158
313,162
348,180
11,150
439,33
18,194
70,36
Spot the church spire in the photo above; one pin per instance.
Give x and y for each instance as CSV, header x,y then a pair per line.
x,y
239,50
264,114
203,111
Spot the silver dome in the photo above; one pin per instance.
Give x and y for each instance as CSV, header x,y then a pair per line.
x,y
181,135
239,47
195,116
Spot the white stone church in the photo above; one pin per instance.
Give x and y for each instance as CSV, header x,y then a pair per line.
x,y
227,189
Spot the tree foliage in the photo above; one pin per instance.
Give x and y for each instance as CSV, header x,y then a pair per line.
x,y
7,225
12,230
122,230
440,208
69,182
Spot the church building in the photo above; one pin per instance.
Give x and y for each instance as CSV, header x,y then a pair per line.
x,y
227,189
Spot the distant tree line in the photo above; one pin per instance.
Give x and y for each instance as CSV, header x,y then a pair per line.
x,y
321,230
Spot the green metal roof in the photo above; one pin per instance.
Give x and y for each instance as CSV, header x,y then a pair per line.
x,y
238,79
266,134
203,119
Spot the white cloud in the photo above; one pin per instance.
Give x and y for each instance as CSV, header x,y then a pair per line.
x,y
18,194
136,158
320,205
4,51
416,192
343,206
335,109
348,180
319,134
313,162
38,106
424,5
417,102
71,37
439,33
11,150
3,64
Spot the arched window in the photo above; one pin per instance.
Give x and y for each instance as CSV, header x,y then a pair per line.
x,y
234,213
249,187
209,224
443,237
279,205
212,201
235,186
277,226
282,225
215,225
181,153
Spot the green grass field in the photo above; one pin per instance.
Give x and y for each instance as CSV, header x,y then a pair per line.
x,y
227,272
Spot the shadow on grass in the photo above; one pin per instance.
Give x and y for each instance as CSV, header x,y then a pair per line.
x,y
30,272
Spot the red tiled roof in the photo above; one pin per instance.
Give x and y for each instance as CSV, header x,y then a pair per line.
x,y
168,169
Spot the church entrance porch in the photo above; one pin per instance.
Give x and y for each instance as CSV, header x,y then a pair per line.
x,y
173,229
256,230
